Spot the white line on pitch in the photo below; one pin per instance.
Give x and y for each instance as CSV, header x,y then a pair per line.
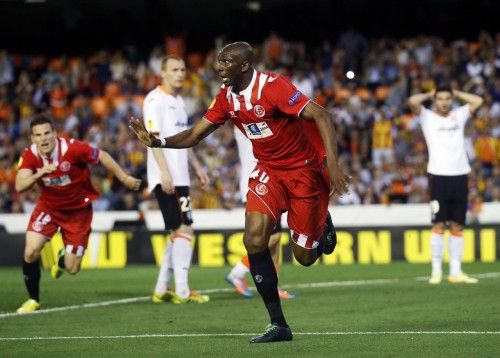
x,y
218,290
194,335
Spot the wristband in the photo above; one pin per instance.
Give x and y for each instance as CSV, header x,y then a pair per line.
x,y
158,143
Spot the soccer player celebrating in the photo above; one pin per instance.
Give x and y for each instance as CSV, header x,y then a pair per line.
x,y
60,168
291,174
443,129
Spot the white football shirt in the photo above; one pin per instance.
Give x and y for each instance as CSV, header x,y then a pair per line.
x,y
165,114
445,140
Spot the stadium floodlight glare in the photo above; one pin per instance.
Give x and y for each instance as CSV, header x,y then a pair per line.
x,y
254,6
349,75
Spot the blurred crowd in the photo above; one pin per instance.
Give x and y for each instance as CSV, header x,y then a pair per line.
x,y
364,83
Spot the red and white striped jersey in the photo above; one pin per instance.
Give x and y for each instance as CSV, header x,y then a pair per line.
x,y
69,186
268,113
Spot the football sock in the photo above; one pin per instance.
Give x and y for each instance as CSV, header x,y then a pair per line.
x,y
31,272
165,270
239,270
266,281
437,248
181,258
455,249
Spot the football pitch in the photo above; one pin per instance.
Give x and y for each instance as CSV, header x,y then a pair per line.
x,y
340,311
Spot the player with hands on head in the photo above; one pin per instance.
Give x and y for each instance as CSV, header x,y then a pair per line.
x,y
448,167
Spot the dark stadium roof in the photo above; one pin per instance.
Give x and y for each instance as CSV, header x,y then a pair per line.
x,y
73,25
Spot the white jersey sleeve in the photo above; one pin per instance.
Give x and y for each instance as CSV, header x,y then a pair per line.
x,y
151,109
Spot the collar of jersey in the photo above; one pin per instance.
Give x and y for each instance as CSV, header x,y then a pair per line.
x,y
247,92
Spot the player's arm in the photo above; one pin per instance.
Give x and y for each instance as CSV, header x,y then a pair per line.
x,y
25,178
415,101
110,164
167,183
324,122
198,168
474,101
185,139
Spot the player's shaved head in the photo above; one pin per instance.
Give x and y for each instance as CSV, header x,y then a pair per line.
x,y
241,49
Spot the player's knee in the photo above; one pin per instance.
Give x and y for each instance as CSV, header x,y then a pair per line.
x,y
456,229
31,255
73,269
438,228
255,242
305,261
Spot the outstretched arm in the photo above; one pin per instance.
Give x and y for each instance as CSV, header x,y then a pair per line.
x,y
324,120
185,139
415,101
110,164
473,100
198,168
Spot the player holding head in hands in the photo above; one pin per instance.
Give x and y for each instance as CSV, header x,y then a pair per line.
x,y
168,179
60,168
291,175
448,166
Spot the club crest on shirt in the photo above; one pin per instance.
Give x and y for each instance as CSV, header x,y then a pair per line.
x,y
65,166
261,189
257,130
259,111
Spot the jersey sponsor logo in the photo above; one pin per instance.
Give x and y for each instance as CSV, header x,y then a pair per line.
x,y
65,166
292,100
181,124
261,189
257,130
57,181
450,129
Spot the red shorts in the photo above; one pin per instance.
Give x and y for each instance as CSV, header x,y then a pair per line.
x,y
74,224
303,192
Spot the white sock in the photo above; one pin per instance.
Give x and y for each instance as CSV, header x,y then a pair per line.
x,y
181,258
437,249
455,249
165,270
239,270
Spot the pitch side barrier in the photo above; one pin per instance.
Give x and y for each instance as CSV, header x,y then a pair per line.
x,y
375,234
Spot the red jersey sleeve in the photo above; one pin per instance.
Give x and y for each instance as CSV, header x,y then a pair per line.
x,y
217,112
85,152
284,95
27,160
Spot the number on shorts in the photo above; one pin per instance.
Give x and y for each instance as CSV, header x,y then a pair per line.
x,y
263,178
185,203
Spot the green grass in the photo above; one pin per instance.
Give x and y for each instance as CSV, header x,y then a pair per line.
x,y
400,305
